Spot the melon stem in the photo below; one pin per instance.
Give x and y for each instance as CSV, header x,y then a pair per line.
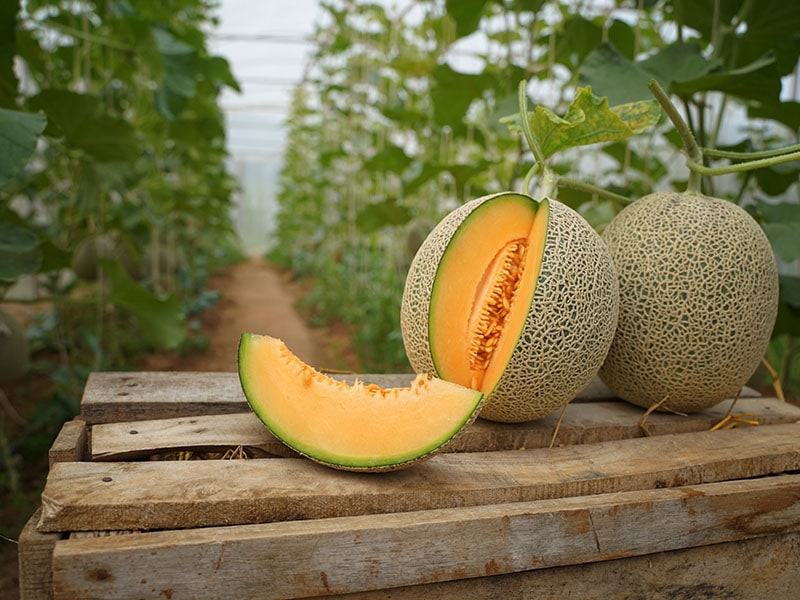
x,y
693,152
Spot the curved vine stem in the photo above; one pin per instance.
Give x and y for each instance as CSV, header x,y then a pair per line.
x,y
693,151
593,189
538,156
733,155
741,167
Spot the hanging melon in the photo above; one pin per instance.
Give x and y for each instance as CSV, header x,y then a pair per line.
x,y
350,427
513,297
698,300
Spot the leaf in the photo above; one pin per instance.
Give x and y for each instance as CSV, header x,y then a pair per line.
x,y
781,224
391,159
788,318
588,120
612,75
677,63
20,253
181,66
18,134
374,216
453,92
758,81
466,14
161,319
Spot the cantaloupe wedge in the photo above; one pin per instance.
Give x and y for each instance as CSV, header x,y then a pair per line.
x,y
354,427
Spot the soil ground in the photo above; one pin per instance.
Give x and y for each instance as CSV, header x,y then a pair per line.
x,y
254,297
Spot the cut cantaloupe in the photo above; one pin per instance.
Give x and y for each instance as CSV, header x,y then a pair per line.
x,y
489,324
356,427
515,297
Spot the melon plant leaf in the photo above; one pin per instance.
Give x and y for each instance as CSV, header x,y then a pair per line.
x,y
20,253
588,120
161,319
788,318
466,14
18,134
781,224
679,62
612,75
374,216
453,92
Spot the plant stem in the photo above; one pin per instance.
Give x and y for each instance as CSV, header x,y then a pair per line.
x,y
533,143
593,189
732,154
693,151
741,167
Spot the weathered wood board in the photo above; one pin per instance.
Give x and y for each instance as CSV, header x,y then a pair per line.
x,y
583,423
608,512
35,560
119,396
179,494
360,553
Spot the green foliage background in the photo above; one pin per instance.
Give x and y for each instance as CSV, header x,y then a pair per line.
x,y
110,130
394,126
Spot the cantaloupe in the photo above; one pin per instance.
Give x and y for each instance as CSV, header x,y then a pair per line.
x,y
514,297
354,427
698,301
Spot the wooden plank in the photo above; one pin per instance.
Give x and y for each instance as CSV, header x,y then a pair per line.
x,y
178,494
35,557
133,396
335,556
762,567
71,443
583,423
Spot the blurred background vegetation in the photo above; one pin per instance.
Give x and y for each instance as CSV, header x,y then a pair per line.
x,y
113,155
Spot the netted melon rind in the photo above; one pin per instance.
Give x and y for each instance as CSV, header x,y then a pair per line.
x,y
698,301
569,327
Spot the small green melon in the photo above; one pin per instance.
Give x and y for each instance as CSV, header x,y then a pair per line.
x,y
514,297
698,301
85,260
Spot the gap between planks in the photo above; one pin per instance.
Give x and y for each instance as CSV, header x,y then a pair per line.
x,y
182,494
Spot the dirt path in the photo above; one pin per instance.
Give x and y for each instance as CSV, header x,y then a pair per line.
x,y
255,297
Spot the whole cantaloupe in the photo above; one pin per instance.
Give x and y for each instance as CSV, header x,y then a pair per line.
x,y
514,297
698,301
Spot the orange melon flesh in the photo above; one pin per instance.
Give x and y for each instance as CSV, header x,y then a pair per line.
x,y
355,427
484,288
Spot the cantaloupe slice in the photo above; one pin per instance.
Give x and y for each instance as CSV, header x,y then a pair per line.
x,y
515,297
354,427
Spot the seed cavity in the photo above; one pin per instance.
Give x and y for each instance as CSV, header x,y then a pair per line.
x,y
492,306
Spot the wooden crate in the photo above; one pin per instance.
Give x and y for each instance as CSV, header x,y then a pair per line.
x,y
607,512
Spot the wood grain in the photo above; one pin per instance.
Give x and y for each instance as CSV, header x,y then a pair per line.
x,y
35,561
132,396
181,494
350,554
71,443
583,423
752,569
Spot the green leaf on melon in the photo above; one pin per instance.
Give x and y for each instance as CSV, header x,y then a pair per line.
x,y
588,120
